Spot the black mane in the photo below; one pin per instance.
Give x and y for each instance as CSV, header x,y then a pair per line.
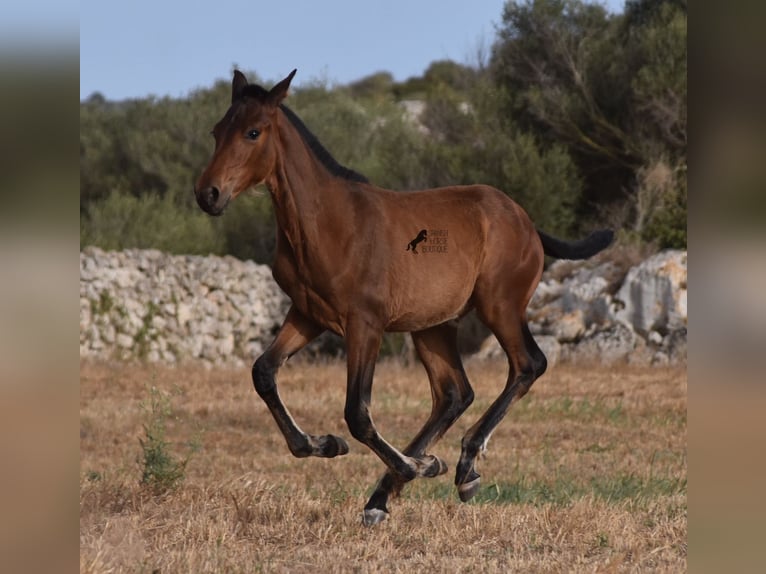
x,y
320,151
310,139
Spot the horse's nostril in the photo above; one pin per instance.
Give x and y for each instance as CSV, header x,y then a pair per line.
x,y
213,195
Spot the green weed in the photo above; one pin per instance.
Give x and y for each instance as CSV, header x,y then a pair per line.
x,y
161,470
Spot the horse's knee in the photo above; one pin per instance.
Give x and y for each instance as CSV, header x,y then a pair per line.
x,y
458,400
263,376
359,422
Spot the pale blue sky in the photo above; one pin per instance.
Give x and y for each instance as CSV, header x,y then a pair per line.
x,y
167,47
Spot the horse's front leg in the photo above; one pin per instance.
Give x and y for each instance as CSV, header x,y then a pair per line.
x,y
451,393
296,332
362,345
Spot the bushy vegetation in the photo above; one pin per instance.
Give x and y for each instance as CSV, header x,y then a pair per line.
x,y
578,114
161,469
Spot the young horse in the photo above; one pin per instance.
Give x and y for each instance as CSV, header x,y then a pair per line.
x,y
345,257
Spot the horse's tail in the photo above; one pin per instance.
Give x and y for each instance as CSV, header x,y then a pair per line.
x,y
582,249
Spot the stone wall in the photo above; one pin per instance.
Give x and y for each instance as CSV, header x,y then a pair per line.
x,y
589,310
150,305
153,306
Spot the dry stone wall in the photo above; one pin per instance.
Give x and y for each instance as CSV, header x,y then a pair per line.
x,y
144,304
587,311
148,305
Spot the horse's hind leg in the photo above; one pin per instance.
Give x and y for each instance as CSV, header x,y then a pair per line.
x,y
526,363
451,394
296,332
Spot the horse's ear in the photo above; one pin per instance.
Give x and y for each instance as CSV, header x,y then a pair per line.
x,y
278,92
238,85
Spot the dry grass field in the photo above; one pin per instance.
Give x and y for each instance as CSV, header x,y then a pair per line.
x,y
586,474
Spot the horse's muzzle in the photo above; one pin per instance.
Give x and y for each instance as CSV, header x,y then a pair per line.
x,y
211,200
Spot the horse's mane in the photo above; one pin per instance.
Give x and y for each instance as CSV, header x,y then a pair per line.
x,y
320,151
310,139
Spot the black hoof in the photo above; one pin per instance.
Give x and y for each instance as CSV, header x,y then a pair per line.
x,y
331,446
468,490
467,483
431,466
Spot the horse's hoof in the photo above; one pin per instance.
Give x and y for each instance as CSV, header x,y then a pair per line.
x,y
331,446
468,490
373,516
432,466
342,446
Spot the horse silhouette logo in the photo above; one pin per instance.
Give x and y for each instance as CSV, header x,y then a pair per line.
x,y
422,236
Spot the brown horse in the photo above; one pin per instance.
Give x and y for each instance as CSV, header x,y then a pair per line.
x,y
342,257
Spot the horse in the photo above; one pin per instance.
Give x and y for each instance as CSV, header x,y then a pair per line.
x,y
339,259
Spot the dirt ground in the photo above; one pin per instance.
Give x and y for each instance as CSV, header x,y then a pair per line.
x,y
587,473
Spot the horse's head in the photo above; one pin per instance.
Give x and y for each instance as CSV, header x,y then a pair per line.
x,y
245,144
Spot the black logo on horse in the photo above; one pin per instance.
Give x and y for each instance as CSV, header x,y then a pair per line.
x,y
422,236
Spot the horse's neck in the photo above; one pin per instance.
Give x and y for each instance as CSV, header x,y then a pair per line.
x,y
307,198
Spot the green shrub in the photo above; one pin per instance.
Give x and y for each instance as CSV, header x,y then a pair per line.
x,y
123,221
161,470
661,205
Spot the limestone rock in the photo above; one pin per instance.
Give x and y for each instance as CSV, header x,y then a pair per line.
x,y
585,311
653,295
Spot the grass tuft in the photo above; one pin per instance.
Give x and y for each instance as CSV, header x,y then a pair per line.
x,y
161,470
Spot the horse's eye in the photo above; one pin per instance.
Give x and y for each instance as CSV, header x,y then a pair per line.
x,y
253,135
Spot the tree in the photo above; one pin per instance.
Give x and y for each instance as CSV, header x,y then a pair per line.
x,y
611,88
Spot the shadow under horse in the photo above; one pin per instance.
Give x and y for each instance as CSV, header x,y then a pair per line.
x,y
340,258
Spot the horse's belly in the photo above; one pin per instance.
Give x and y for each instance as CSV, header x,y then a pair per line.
x,y
427,308
413,323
